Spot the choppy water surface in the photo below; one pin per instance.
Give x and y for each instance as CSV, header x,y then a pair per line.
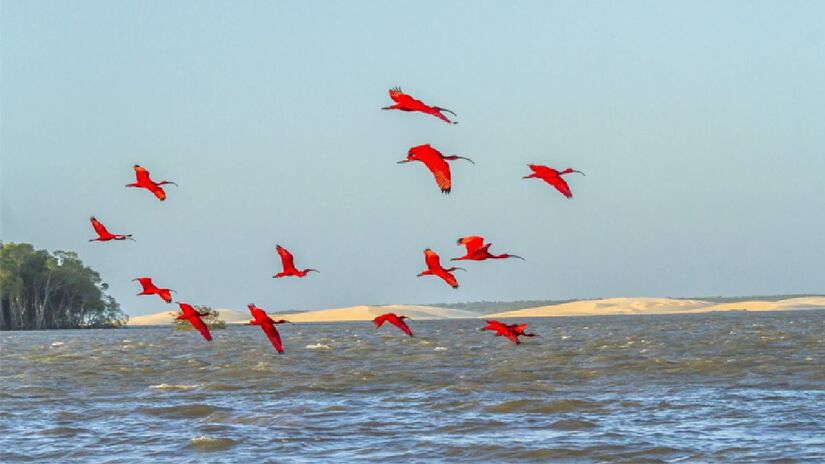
x,y
712,387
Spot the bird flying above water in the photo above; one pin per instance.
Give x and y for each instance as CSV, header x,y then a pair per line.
x,y
510,331
395,320
194,317
267,324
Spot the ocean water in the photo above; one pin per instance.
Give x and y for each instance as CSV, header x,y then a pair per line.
x,y
746,387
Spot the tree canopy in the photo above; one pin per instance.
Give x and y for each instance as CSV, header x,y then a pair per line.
x,y
212,319
42,290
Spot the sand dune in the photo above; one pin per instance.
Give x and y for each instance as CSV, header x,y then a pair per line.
x,y
231,316
352,313
603,307
810,302
619,306
368,313
608,306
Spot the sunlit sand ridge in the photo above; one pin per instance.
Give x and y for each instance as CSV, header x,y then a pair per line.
x,y
620,306
603,307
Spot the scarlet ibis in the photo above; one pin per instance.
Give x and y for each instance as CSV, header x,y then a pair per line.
x,y
520,329
552,177
143,181
194,317
287,261
395,320
149,288
268,326
104,235
405,102
510,331
435,162
434,268
477,250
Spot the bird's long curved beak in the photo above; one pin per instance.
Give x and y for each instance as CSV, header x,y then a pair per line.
x,y
573,170
404,161
517,256
467,159
445,109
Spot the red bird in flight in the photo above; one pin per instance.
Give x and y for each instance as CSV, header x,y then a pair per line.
x,y
552,177
510,331
194,317
104,235
288,264
143,181
477,250
395,320
405,102
434,268
150,289
435,162
268,326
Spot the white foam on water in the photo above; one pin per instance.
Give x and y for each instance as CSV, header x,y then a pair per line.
x,y
57,343
167,386
318,346
439,348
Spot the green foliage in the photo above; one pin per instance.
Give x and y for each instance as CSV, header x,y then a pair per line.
x,y
212,319
42,290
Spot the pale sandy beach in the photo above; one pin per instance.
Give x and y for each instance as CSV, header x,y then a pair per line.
x,y
600,307
649,306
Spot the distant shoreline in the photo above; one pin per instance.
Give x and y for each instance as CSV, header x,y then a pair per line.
x,y
639,306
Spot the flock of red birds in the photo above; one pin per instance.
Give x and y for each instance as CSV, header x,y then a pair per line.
x,y
476,249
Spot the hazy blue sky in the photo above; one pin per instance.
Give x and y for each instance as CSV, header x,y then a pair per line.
x,y
700,125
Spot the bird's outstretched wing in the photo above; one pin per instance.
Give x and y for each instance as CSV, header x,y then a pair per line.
x,y
432,260
449,278
511,335
142,175
273,336
201,326
100,229
146,283
442,177
471,242
398,96
287,259
158,191
401,325
560,185
380,320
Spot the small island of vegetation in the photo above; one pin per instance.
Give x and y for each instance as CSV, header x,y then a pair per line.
x,y
212,319
42,290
